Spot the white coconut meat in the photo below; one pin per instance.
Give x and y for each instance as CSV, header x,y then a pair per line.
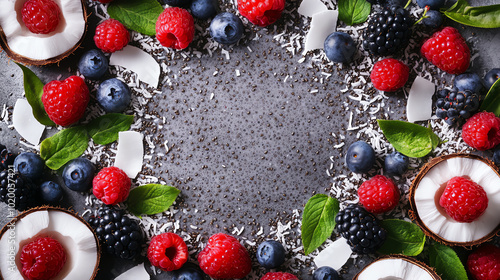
x,y
322,24
25,123
335,255
310,7
433,183
130,152
42,46
135,273
139,62
394,269
419,105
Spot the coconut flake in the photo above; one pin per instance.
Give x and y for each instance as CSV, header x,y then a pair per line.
x,y
310,7
130,152
322,24
335,255
138,61
135,273
419,106
25,123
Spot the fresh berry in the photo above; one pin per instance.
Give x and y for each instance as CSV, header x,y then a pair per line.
x,y
168,251
226,28
118,234
378,195
111,185
339,47
456,107
6,158
396,163
491,77
463,199
279,276
41,16
51,192
400,3
388,31
270,254
204,9
470,82
113,95
484,263
389,74
360,228
447,50
262,12
24,191
433,4
175,28
224,257
360,157
111,36
42,259
433,19
326,273
176,3
482,131
30,165
188,271
93,64
65,101
496,156
78,174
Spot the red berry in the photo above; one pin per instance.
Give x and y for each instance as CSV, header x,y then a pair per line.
x,y
279,276
482,131
42,259
40,16
168,251
261,12
111,185
224,257
389,74
379,194
175,28
111,36
65,101
484,263
447,50
463,199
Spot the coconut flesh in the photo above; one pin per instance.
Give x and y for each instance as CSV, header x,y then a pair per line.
x,y
396,268
78,240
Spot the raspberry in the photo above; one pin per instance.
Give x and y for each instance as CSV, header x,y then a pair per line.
x,y
389,74
224,257
65,101
111,36
111,185
41,16
482,131
447,50
168,251
261,12
42,259
379,194
279,276
484,263
175,28
463,199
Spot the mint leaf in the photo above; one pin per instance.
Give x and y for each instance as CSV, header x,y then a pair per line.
x,y
318,221
482,16
151,199
446,262
491,102
64,146
402,238
410,139
354,11
140,15
104,129
33,89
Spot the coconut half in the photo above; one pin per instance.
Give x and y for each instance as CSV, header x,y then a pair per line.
x,y
397,267
39,49
430,183
74,234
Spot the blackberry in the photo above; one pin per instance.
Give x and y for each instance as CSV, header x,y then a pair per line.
x,y
388,31
24,192
118,234
456,106
360,228
6,158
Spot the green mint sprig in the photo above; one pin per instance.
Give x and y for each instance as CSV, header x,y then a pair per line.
x,y
137,15
446,262
151,199
481,16
402,238
353,11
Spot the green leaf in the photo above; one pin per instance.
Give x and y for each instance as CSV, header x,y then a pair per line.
x,y
410,139
318,221
33,89
354,11
491,102
446,262
64,146
140,15
402,238
104,129
482,16
151,199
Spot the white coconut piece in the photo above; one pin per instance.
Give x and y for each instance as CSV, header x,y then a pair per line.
x,y
136,273
138,61
335,255
322,24
25,123
419,105
394,269
130,152
310,7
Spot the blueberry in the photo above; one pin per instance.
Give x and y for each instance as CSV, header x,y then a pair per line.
x,y
396,163
176,3
433,4
78,174
496,156
270,254
30,165
468,81
113,95
226,28
339,47
188,271
93,64
204,9
51,192
491,77
400,3
360,157
433,19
